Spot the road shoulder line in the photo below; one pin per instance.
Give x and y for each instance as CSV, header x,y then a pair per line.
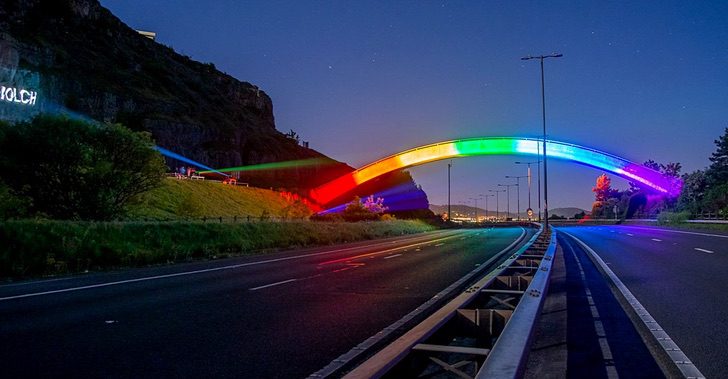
x,y
667,347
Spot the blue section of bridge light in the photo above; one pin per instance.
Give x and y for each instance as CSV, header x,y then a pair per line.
x,y
174,155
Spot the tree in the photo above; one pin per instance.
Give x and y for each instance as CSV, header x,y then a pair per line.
x,y
693,192
72,169
603,189
717,173
671,169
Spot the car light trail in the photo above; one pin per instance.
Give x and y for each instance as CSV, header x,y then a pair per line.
x,y
497,146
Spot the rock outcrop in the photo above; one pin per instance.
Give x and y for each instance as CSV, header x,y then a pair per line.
x,y
84,61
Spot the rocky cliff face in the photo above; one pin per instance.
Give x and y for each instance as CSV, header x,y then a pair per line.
x,y
84,61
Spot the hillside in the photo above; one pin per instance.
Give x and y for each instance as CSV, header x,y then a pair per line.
x,y
83,61
192,199
567,212
466,210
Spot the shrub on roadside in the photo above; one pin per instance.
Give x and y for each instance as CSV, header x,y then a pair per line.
x,y
671,218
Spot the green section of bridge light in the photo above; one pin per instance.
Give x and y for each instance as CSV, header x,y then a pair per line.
x,y
486,146
274,165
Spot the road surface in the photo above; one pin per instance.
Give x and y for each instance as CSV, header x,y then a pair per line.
x,y
278,315
679,277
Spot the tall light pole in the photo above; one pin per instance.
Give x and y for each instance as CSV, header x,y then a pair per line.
x,y
497,201
449,214
476,208
538,170
543,113
518,193
508,195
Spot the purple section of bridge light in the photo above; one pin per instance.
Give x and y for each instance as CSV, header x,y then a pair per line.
x,y
398,198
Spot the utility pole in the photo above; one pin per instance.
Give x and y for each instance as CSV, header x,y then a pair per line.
x,y
543,113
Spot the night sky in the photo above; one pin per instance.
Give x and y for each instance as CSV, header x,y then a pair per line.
x,y
364,79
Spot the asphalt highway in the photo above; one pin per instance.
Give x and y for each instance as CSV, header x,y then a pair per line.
x,y
680,277
276,315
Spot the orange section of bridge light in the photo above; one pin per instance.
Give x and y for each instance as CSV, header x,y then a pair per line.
x,y
403,160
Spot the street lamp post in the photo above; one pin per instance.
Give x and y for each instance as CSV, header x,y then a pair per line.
x,y
449,215
543,113
508,195
486,205
476,208
497,201
538,170
518,193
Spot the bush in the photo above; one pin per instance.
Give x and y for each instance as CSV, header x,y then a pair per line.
x,y
668,218
72,169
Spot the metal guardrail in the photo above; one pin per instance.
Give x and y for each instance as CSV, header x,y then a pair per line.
x,y
458,337
510,352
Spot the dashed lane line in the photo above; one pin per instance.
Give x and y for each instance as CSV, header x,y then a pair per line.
x,y
392,256
705,250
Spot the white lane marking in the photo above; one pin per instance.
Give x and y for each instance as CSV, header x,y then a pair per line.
x,y
656,239
392,256
630,234
606,351
408,238
272,284
704,250
685,365
682,231
594,311
185,273
439,244
600,328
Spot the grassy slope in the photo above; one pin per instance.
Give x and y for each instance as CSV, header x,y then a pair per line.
x,y
182,199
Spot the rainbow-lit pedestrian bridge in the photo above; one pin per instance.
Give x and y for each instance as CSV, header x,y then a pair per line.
x,y
498,146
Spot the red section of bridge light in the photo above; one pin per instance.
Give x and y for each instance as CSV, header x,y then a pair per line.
x,y
333,189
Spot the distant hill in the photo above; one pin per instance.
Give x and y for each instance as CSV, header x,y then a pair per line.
x,y
568,212
465,210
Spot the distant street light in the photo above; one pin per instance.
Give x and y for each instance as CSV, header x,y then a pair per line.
x,y
518,187
508,195
543,113
538,170
497,201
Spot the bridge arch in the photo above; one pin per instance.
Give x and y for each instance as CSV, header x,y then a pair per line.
x,y
497,146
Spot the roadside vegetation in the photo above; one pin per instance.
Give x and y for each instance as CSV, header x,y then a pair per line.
x,y
78,196
704,193
37,248
177,199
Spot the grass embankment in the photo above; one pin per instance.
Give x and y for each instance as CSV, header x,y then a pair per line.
x,y
35,248
184,199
